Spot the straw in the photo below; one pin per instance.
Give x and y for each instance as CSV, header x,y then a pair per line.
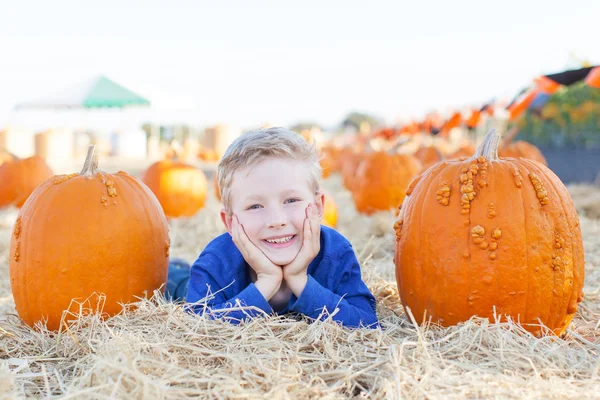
x,y
154,349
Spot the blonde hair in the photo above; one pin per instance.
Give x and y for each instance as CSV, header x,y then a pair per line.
x,y
254,146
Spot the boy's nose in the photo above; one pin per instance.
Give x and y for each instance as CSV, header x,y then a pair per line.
x,y
277,219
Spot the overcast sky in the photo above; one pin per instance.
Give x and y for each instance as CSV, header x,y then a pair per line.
x,y
250,62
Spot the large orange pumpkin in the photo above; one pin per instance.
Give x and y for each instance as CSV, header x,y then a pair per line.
x,y
381,180
86,233
19,177
524,149
489,235
180,188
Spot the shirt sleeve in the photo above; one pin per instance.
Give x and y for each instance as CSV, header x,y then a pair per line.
x,y
207,296
351,302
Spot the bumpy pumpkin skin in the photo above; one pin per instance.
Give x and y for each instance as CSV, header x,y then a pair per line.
x,y
76,235
488,232
180,188
524,149
381,181
20,177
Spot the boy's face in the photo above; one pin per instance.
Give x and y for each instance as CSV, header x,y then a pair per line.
x,y
270,200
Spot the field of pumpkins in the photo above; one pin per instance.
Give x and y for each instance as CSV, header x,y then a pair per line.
x,y
484,265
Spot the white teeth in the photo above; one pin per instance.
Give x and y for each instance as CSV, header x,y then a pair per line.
x,y
280,240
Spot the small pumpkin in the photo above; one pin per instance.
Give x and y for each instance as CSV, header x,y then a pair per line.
x,y
524,149
180,188
428,155
327,161
464,151
5,157
216,186
330,212
206,155
381,180
349,167
488,236
86,233
520,148
20,177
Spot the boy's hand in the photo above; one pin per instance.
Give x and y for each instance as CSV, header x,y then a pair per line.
x,y
295,273
268,275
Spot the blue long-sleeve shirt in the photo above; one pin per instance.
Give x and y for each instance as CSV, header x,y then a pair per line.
x,y
220,280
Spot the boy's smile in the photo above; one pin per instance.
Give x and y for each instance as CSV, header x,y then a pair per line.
x,y
270,199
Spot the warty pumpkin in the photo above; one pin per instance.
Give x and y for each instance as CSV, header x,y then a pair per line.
x,y
86,233
489,235
180,188
381,180
20,177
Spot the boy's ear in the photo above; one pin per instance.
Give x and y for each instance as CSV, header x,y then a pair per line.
x,y
226,220
320,203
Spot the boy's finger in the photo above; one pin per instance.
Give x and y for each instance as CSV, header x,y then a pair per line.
x,y
240,240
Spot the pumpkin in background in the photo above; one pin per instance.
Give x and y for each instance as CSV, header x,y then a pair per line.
x,y
180,188
381,180
524,149
463,152
5,156
86,233
349,168
330,211
20,177
428,155
216,186
206,155
327,161
489,234
342,155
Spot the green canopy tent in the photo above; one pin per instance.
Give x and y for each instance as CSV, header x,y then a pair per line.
x,y
97,102
95,93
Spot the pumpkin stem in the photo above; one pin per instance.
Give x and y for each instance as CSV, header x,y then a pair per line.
x,y
90,166
489,147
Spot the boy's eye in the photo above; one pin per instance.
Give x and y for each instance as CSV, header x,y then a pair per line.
x,y
293,200
253,207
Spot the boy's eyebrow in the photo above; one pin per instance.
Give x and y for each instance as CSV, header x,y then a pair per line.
x,y
291,192
260,197
254,196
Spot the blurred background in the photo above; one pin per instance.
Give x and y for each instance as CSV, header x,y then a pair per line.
x,y
144,80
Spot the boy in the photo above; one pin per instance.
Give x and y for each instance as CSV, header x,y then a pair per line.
x,y
275,256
